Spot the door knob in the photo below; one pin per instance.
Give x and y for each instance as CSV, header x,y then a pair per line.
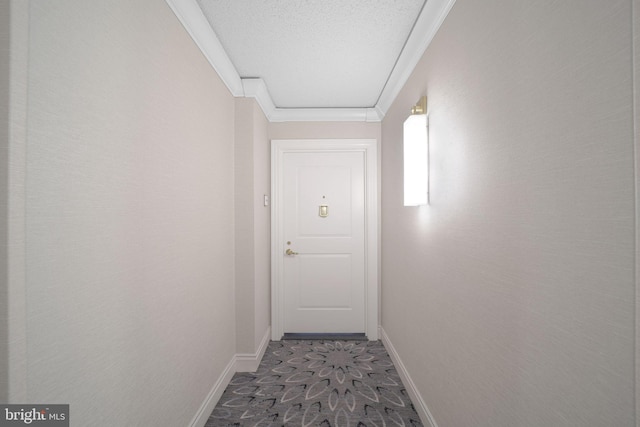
x,y
290,252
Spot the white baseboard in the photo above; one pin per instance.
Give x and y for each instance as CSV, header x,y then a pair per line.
x,y
416,398
248,362
201,417
239,363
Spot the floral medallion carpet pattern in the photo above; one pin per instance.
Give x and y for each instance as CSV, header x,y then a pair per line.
x,y
318,383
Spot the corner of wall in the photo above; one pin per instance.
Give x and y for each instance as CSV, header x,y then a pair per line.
x,y
249,362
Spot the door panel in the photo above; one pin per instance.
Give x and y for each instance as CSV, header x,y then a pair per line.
x,y
324,281
314,183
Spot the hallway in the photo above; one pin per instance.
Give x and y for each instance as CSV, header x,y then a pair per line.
x,y
135,219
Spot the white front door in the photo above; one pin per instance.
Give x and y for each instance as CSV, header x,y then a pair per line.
x,y
324,237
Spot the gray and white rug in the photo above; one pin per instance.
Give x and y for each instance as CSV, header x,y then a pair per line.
x,y
318,383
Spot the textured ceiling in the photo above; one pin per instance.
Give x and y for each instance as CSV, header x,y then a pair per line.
x,y
314,53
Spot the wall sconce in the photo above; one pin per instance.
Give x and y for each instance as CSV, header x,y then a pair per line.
x,y
416,156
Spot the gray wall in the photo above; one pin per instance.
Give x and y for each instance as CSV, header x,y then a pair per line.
x,y
261,224
510,298
252,226
4,197
636,99
16,235
129,215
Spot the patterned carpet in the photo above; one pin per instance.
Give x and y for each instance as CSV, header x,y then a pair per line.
x,y
318,383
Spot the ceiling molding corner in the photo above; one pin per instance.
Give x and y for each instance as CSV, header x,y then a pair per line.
x,y
374,114
193,20
256,88
427,25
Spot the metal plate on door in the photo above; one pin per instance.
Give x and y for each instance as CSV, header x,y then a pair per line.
x,y
324,211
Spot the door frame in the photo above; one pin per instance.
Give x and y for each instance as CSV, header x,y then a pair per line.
x,y
369,148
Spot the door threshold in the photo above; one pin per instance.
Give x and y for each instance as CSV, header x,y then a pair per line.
x,y
325,336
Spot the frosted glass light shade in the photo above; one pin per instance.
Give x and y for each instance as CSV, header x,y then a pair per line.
x,y
416,161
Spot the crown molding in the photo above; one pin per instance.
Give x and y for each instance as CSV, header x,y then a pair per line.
x,y
431,17
325,115
256,88
193,20
427,25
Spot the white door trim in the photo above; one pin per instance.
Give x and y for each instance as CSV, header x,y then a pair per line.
x,y
367,146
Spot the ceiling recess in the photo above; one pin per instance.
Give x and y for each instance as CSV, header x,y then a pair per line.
x,y
314,59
